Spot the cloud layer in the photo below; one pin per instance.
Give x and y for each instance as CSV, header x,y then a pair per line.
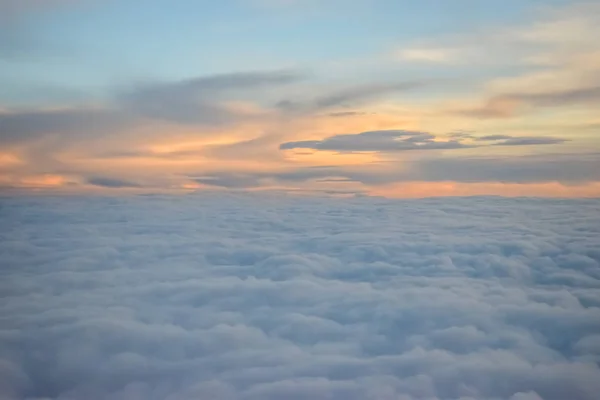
x,y
227,296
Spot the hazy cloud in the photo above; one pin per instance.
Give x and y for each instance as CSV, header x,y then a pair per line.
x,y
30,124
194,101
200,100
584,95
564,168
541,168
512,104
350,96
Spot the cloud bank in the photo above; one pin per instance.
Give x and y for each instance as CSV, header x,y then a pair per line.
x,y
224,296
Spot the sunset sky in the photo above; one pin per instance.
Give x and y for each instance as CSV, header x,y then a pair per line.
x,y
394,98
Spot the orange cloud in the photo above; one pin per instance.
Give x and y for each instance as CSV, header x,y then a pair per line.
x,y
41,181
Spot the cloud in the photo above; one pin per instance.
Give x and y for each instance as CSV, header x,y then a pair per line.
x,y
230,180
506,140
380,141
200,100
493,137
111,182
24,125
247,296
350,96
387,141
534,168
512,104
568,169
549,34
561,97
428,55
345,114
495,107
553,57
530,141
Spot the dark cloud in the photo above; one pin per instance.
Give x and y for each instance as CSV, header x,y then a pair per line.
x,y
347,97
462,135
492,137
267,296
506,140
379,141
111,182
362,93
530,141
230,180
397,140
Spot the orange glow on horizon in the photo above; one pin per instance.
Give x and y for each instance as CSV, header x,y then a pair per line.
x,y
440,189
43,181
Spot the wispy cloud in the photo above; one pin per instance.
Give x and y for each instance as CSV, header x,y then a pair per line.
x,y
394,141
380,141
203,99
347,97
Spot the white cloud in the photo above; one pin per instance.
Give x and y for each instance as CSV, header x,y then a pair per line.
x,y
230,296
553,36
433,55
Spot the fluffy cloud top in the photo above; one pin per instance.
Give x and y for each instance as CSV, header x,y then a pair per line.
x,y
223,296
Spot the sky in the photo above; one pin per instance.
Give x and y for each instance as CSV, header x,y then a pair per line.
x,y
391,98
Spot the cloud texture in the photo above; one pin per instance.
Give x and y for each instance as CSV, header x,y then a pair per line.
x,y
225,296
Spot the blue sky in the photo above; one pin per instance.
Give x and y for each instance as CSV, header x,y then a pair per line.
x,y
95,44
